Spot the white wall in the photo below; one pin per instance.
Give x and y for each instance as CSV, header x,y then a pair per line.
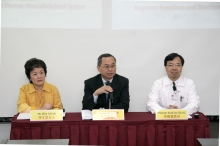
x,y
71,53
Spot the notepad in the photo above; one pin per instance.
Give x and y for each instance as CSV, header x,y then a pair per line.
x,y
86,114
23,116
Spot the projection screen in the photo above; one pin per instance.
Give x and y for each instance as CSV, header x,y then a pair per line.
x,y
69,35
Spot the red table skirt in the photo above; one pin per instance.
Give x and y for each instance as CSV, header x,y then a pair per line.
x,y
138,128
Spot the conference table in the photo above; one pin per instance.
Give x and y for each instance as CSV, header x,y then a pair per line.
x,y
138,129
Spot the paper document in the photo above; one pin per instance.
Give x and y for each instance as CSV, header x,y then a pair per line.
x,y
86,114
23,116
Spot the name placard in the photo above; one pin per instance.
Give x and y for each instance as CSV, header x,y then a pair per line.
x,y
108,114
46,115
172,114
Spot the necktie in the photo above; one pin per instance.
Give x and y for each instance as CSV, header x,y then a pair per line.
x,y
107,95
106,101
174,86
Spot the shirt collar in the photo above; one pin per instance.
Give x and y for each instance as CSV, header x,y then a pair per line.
x,y
178,82
104,81
46,88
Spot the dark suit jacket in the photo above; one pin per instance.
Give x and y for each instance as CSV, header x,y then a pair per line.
x,y
120,93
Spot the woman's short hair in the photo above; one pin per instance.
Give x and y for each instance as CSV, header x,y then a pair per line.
x,y
33,63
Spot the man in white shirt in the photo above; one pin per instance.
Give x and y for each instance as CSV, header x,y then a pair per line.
x,y
173,91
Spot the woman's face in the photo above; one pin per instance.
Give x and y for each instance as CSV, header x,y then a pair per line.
x,y
37,76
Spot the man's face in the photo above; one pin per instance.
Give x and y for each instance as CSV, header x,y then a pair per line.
x,y
174,68
108,68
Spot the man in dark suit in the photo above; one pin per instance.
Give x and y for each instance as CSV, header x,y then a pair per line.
x,y
96,91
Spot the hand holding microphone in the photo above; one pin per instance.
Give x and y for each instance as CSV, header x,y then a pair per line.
x,y
104,89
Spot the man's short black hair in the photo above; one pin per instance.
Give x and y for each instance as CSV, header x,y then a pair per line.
x,y
33,63
104,55
171,57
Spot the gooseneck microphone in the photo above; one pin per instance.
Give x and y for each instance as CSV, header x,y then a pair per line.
x,y
108,83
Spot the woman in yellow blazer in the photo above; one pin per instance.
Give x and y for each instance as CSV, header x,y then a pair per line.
x,y
38,94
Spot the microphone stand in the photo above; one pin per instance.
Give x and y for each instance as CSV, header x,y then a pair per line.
x,y
110,96
110,99
109,103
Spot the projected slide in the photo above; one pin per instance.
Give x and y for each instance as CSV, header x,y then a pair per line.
x,y
165,15
85,14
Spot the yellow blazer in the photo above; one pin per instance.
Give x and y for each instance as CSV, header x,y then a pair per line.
x,y
30,99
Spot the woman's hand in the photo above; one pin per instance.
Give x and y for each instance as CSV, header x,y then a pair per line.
x,y
46,106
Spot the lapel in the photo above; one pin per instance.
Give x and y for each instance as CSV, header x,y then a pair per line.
x,y
99,81
114,84
102,97
181,82
167,81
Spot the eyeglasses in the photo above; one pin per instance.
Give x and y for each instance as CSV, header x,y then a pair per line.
x,y
109,66
174,65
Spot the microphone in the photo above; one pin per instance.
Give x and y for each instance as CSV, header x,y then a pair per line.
x,y
64,112
108,83
110,93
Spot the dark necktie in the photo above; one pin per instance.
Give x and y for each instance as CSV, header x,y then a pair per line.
x,y
107,95
174,86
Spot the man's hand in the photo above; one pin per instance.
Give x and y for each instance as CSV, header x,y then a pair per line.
x,y
103,89
173,107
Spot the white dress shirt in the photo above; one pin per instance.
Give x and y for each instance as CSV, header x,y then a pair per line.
x,y
162,95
